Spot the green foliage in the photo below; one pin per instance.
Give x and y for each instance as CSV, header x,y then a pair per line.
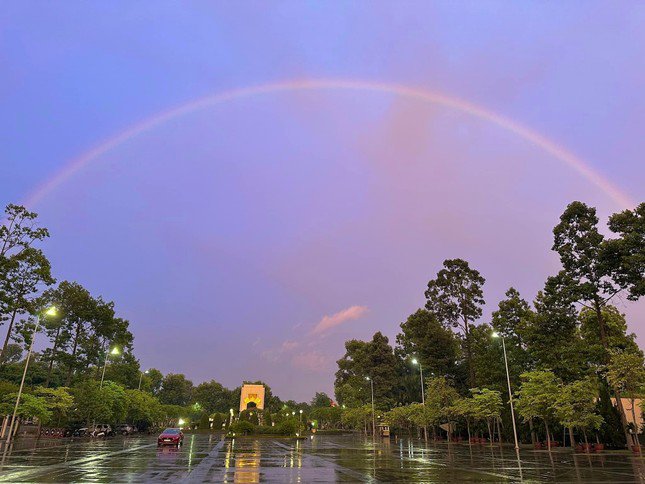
x,y
59,402
327,417
30,406
213,397
626,254
243,427
92,403
456,298
375,359
626,372
575,405
356,418
426,337
142,409
320,399
176,390
537,395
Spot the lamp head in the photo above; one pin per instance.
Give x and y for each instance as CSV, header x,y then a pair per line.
x,y
115,351
52,311
415,361
495,334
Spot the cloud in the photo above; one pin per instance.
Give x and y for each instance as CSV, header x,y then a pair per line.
x,y
274,354
311,360
349,314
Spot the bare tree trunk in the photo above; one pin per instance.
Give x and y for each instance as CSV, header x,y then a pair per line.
x,y
6,339
51,360
572,439
548,436
532,431
468,429
74,348
499,430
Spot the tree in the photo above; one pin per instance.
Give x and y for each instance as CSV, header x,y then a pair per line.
x,y
551,336
511,320
400,417
93,403
142,409
152,381
21,278
596,270
357,418
321,399
19,231
435,346
627,373
456,297
627,253
487,405
176,390
439,397
213,397
536,398
575,407
30,406
58,401
375,359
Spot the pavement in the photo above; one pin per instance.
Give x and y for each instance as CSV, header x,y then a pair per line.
x,y
209,458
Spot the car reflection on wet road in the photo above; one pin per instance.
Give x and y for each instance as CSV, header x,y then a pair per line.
x,y
208,458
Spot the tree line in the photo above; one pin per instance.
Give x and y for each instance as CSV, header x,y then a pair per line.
x,y
87,371
572,362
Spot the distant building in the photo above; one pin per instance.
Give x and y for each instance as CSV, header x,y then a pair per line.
x,y
252,396
627,405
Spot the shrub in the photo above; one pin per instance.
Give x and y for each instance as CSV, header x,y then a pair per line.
x,y
242,427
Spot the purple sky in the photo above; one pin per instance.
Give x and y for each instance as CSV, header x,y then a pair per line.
x,y
257,235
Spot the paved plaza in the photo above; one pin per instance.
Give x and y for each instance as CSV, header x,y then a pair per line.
x,y
205,458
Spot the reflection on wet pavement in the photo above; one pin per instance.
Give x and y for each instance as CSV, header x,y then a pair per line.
x,y
208,458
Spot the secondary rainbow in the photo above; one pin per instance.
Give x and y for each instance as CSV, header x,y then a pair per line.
x,y
424,95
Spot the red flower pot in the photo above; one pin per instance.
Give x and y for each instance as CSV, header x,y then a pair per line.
x,y
599,447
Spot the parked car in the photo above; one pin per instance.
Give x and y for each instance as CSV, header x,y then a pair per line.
x,y
82,432
102,430
125,429
171,436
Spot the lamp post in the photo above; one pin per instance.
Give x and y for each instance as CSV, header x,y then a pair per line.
x,y
300,424
373,415
141,377
423,397
114,351
510,393
50,312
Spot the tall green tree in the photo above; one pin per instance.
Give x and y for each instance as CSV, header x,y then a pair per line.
x,y
552,338
425,337
455,296
176,390
595,269
374,359
575,407
626,254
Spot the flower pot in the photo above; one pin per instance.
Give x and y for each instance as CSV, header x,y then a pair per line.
x,y
636,449
599,447
537,445
579,448
587,448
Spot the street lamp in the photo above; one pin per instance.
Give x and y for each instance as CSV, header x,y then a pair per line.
x,y
114,351
510,393
300,424
51,311
373,416
141,377
423,397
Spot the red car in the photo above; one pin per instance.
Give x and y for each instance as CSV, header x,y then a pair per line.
x,y
171,437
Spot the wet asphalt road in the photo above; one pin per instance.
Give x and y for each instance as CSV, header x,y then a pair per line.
x,y
205,458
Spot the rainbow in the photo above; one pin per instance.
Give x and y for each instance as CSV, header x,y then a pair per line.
x,y
419,94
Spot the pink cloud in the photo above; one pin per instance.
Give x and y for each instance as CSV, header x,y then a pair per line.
x,y
349,314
